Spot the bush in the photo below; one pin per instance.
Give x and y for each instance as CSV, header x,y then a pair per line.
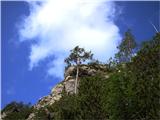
x,y
17,111
87,104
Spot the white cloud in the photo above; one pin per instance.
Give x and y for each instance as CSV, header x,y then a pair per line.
x,y
57,26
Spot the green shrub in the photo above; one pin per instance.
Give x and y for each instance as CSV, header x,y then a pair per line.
x,y
17,111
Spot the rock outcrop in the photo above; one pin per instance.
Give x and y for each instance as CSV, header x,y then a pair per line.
x,y
67,84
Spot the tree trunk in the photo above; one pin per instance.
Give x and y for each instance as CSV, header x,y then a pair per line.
x,y
76,81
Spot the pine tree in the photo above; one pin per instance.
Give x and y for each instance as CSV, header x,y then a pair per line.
x,y
77,56
126,48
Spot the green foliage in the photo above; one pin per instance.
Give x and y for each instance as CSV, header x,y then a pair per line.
x,y
132,92
17,111
91,93
146,68
119,95
42,114
126,48
66,108
87,104
78,55
111,64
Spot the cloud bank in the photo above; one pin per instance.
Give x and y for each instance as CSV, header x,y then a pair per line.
x,y
56,26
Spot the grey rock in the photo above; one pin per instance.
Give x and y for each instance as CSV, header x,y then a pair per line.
x,y
31,116
69,71
67,84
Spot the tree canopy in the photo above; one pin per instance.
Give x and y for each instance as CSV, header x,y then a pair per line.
x,y
126,47
77,56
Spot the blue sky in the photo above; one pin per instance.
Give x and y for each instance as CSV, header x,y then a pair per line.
x,y
21,82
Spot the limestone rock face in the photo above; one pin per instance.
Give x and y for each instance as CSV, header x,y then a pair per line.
x,y
31,116
70,71
51,98
67,84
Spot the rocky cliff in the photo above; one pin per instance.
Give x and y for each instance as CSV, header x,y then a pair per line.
x,y
67,84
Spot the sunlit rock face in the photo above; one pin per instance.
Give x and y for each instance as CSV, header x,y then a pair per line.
x,y
67,84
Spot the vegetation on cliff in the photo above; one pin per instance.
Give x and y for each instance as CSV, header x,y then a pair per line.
x,y
130,91
16,111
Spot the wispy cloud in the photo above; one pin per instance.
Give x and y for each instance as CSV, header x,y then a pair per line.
x,y
56,26
10,91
